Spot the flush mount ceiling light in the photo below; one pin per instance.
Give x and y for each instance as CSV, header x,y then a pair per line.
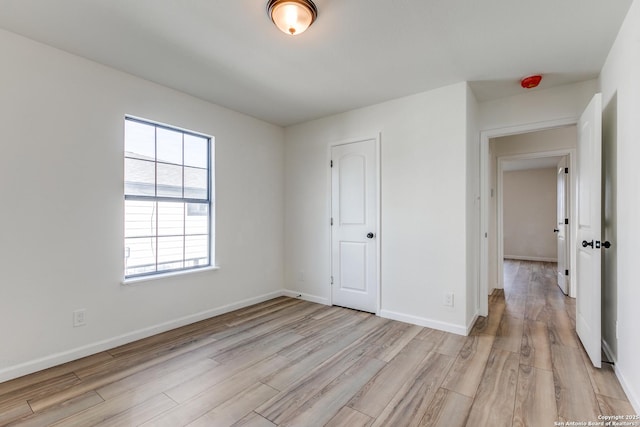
x,y
292,16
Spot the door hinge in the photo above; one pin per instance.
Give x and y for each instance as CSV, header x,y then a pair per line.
x,y
332,280
566,221
331,222
566,170
566,272
331,164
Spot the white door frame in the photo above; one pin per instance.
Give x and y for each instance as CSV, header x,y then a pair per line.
x,y
571,154
485,191
377,138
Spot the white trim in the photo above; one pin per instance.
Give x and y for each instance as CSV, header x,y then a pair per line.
x,y
423,321
485,185
36,365
530,258
608,352
377,138
139,279
633,399
471,324
306,297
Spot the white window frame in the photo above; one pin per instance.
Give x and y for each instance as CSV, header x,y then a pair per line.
x,y
151,275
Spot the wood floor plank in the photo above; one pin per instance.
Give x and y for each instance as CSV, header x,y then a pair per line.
x,y
411,403
450,344
236,408
560,330
494,400
537,310
515,306
467,371
199,404
374,396
193,387
174,371
53,415
311,356
610,406
489,325
509,334
432,336
31,381
447,409
52,399
348,417
140,413
326,403
287,402
604,380
535,348
42,389
535,398
575,397
14,411
107,409
393,341
253,420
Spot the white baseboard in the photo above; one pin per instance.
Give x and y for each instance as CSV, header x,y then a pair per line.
x,y
32,366
306,297
422,321
633,398
530,258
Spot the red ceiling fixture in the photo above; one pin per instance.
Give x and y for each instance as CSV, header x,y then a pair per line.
x,y
531,81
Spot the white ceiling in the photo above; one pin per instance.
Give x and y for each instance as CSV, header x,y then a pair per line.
x,y
359,52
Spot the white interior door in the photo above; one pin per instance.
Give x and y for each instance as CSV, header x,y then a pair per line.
x,y
354,231
589,175
562,229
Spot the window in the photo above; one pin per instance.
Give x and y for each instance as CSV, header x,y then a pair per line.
x,y
167,176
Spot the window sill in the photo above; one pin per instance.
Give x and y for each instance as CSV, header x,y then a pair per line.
x,y
140,279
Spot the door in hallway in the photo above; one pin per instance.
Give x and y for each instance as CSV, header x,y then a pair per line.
x,y
562,227
589,217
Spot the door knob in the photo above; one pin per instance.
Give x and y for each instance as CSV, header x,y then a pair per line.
x,y
370,235
585,243
555,230
606,244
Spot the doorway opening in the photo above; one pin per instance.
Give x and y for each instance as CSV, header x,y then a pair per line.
x,y
531,206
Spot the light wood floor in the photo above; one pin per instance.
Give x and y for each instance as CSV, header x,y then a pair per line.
x,y
290,362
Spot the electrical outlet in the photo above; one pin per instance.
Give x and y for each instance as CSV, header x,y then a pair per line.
x,y
617,334
448,299
79,317
301,276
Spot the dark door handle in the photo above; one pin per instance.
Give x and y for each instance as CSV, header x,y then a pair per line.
x,y
370,235
606,244
555,230
585,243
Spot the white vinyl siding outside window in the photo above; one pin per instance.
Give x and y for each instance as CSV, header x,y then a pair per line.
x,y
167,192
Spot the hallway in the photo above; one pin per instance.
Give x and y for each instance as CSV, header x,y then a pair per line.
x,y
537,369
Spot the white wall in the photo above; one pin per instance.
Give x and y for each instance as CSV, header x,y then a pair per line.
x,y
61,183
424,203
621,103
562,102
529,203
